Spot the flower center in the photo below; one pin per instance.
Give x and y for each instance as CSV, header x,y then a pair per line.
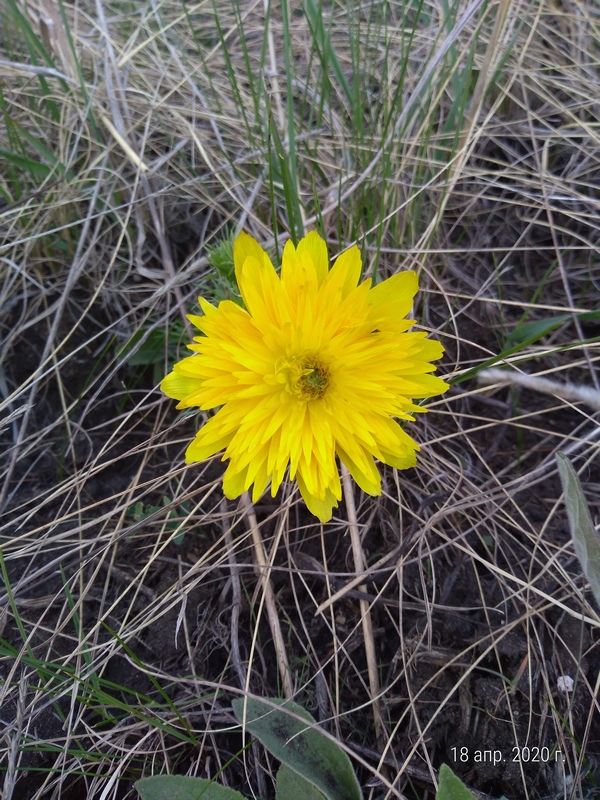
x,y
304,376
314,381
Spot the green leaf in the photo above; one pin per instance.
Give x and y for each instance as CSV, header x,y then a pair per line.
x,y
150,351
178,787
589,315
585,538
291,786
41,149
531,331
25,163
302,747
517,348
451,787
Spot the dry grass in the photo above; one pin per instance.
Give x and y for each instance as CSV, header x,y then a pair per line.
x,y
134,138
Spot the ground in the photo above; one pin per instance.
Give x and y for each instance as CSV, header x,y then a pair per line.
x,y
132,611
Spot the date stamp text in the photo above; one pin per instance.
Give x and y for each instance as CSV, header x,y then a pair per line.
x,y
525,755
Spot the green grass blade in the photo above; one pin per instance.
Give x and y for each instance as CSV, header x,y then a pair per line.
x,y
290,188
322,40
36,169
291,128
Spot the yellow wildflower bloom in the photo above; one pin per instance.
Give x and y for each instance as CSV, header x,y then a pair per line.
x,y
317,366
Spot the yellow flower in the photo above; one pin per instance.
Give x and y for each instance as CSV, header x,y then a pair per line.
x,y
317,366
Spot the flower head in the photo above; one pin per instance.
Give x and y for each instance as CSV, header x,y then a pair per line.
x,y
316,366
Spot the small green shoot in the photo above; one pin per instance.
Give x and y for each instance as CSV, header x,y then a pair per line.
x,y
220,257
224,285
140,512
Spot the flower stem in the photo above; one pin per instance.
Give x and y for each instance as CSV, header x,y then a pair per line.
x,y
365,609
264,571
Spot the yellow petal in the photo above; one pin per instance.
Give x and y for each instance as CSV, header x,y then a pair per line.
x,y
368,477
210,439
255,275
179,386
346,271
322,509
246,247
400,450
261,480
234,481
315,248
392,299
